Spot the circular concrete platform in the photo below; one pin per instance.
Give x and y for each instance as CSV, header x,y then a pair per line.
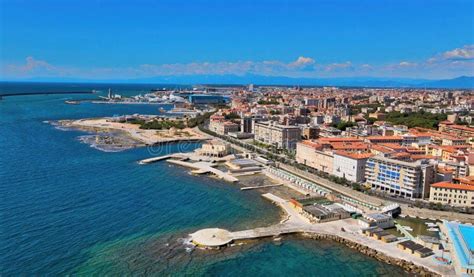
x,y
211,237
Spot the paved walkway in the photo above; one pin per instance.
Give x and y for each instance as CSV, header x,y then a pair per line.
x,y
296,223
204,167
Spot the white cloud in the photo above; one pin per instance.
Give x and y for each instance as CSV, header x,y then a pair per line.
x,y
464,53
447,64
407,64
33,65
302,62
339,66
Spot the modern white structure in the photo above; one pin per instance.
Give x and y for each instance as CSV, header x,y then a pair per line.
x,y
350,166
379,220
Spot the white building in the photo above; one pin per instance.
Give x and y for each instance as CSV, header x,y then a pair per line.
x,y
213,148
380,220
350,166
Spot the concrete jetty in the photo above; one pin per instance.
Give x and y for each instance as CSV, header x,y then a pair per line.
x,y
215,237
205,167
346,230
154,159
212,237
261,187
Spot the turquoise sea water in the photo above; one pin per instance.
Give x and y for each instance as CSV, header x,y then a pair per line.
x,y
67,208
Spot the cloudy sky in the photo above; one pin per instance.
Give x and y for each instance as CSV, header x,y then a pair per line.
x,y
141,39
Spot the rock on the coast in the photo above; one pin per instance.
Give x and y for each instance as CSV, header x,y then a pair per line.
x,y
405,265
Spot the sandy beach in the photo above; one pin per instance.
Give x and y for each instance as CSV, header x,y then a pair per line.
x,y
148,137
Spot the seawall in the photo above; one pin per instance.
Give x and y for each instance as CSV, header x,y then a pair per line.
x,y
370,252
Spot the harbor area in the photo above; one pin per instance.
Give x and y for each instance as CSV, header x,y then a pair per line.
x,y
310,209
215,158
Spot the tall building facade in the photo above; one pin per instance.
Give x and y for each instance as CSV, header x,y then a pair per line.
x,y
399,178
280,136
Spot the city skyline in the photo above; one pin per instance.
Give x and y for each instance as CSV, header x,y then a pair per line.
x,y
102,40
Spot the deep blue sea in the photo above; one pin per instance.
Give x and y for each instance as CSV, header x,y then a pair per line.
x,y
67,208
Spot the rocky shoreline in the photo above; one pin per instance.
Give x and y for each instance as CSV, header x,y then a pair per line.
x,y
404,264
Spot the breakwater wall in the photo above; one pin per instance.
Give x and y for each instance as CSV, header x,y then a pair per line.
x,y
370,252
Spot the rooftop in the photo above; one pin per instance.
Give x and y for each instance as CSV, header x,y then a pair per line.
x,y
449,185
355,156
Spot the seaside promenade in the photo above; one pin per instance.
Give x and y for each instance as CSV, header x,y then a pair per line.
x,y
294,223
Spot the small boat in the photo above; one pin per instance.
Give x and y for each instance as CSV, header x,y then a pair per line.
x,y
71,102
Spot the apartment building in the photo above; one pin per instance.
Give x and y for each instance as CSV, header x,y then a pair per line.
x,y
400,178
281,136
223,127
350,166
449,193
312,154
459,130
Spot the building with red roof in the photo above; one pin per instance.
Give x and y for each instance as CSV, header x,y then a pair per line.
x,y
450,193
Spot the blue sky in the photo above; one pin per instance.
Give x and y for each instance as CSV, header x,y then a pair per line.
x,y
140,39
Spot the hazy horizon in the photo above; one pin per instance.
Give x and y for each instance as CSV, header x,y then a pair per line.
x,y
101,40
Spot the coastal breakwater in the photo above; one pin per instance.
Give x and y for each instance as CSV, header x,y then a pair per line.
x,y
344,231
44,93
205,167
373,253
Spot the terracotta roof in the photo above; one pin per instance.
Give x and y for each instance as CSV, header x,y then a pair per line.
x,y
401,154
349,146
381,148
449,185
422,157
355,156
392,145
384,138
466,180
461,127
445,170
347,139
312,144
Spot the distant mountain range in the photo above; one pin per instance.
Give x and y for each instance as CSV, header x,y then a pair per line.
x,y
463,82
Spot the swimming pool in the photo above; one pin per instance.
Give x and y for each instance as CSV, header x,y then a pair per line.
x,y
467,233
462,237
